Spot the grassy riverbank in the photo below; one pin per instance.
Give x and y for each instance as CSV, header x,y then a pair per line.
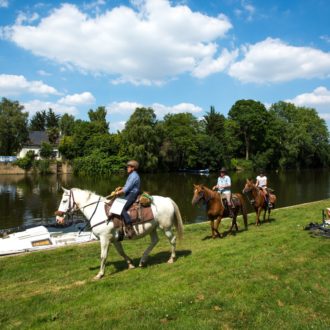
x,y
275,276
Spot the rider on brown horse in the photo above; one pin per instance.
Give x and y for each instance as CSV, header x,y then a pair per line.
x,y
223,186
261,183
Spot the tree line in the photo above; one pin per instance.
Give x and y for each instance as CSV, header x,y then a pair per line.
x,y
251,136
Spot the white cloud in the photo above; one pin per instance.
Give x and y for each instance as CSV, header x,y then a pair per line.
x,y
161,110
77,99
16,85
272,60
117,126
4,3
151,43
127,108
319,99
36,105
123,108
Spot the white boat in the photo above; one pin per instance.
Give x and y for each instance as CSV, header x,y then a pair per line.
x,y
42,238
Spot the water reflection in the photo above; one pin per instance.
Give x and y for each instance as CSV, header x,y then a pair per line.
x,y
33,199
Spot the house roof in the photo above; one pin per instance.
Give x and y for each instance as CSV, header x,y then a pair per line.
x,y
37,137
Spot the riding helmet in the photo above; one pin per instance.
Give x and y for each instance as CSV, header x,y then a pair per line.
x,y
133,163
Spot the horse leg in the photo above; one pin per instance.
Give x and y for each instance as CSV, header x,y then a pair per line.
x,y
216,226
154,240
212,228
172,239
122,253
104,242
258,211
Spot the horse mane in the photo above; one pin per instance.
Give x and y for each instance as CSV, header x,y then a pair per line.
x,y
89,193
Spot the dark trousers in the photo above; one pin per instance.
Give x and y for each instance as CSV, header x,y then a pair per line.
x,y
131,198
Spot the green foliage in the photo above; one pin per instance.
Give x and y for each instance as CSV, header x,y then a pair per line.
x,y
43,166
98,163
67,147
66,124
141,138
241,164
13,127
46,150
252,119
26,162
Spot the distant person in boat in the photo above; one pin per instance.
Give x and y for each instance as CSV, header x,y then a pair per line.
x,y
131,190
261,183
223,187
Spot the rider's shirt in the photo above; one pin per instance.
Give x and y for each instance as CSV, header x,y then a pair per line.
x,y
262,181
132,184
222,182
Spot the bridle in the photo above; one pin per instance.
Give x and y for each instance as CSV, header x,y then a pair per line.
x,y
73,207
201,196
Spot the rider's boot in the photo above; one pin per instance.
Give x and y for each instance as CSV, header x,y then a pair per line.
x,y
130,233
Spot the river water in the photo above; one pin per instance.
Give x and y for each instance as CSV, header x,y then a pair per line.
x,y
28,200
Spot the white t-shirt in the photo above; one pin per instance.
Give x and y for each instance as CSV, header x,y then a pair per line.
x,y
262,181
223,182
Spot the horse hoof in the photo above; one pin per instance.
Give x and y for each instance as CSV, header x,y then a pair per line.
x,y
131,266
97,277
170,261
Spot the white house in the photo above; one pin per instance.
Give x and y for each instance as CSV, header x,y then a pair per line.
x,y
34,143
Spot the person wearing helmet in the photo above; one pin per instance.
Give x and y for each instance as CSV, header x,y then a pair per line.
x,y
224,188
130,190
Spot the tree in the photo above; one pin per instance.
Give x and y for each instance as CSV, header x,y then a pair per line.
x,y
52,120
180,144
302,136
66,124
46,150
98,119
214,124
13,127
141,139
38,121
252,119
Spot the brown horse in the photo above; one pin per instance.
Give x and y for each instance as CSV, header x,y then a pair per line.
x,y
258,200
216,210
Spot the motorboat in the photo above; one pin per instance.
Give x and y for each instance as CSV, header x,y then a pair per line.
x,y
44,237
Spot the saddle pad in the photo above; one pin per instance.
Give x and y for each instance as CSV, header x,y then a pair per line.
x,y
138,213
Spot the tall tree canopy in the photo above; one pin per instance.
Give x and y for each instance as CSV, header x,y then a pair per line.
x,y
13,127
252,119
141,139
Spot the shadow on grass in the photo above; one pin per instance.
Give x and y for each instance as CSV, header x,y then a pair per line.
x,y
226,233
158,258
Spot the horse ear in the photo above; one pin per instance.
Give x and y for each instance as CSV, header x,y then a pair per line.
x,y
64,188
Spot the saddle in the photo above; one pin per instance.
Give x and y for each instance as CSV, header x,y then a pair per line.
x,y
139,212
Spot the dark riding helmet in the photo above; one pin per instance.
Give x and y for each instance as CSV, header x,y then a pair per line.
x,y
223,169
133,163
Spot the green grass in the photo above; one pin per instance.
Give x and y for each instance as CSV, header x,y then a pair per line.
x,y
275,276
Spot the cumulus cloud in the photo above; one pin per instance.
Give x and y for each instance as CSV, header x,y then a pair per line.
x,y
16,85
272,60
127,108
4,3
318,99
36,105
77,99
151,42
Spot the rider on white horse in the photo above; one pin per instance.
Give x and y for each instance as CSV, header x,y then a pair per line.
x,y
131,191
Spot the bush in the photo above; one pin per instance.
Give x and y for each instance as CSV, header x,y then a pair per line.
x,y
26,162
98,164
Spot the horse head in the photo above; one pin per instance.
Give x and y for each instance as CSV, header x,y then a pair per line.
x,y
199,193
249,185
67,205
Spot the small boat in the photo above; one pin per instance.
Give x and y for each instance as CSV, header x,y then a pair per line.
x,y
198,171
42,238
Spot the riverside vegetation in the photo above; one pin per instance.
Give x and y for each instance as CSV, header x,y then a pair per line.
x,y
275,276
251,136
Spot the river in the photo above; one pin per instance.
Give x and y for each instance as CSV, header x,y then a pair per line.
x,y
28,200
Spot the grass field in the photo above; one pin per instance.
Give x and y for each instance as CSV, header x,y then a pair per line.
x,y
276,276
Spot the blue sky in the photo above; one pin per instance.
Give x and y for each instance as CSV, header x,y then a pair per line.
x,y
174,56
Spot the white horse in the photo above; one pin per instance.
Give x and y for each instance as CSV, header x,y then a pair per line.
x,y
166,213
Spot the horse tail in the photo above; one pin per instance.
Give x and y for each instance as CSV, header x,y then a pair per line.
x,y
178,220
243,210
